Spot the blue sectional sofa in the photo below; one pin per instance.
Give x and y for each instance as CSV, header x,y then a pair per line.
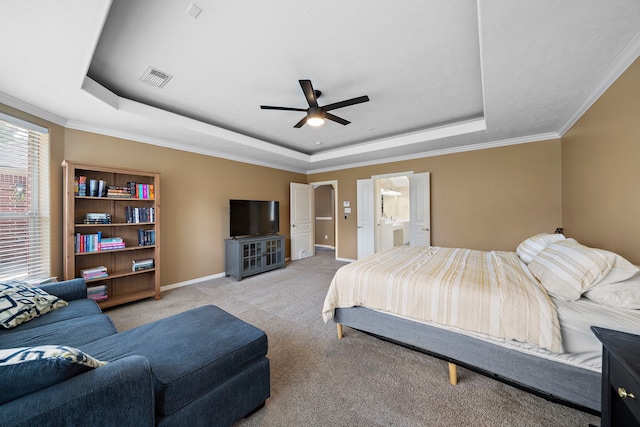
x,y
202,367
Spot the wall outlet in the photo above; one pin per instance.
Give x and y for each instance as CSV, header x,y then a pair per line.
x,y
326,237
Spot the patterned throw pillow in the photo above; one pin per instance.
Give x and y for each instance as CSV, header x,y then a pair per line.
x,y
20,302
25,370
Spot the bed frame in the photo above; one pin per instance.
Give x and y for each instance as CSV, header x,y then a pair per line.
x,y
556,381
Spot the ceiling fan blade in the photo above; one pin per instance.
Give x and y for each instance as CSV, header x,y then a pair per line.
x,y
268,107
336,119
301,122
309,93
346,103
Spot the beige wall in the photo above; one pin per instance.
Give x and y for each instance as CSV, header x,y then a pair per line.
x,y
195,197
601,171
485,199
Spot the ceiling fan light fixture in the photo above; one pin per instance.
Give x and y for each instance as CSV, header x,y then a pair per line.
x,y
315,121
315,117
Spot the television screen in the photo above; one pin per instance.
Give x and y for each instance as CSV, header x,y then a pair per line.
x,y
254,217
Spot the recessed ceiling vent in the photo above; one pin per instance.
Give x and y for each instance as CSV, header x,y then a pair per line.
x,y
155,77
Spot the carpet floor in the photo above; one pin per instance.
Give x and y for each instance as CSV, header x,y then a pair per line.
x,y
318,380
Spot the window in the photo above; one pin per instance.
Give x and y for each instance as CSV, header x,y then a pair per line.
x,y
24,200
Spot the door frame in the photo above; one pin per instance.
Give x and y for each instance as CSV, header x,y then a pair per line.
x,y
376,210
333,183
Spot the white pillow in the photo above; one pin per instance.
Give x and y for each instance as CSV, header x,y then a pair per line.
x,y
532,246
623,294
621,270
566,268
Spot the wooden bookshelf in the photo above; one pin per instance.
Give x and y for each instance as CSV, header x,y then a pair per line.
x,y
123,285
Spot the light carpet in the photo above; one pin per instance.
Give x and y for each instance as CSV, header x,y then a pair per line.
x,y
318,380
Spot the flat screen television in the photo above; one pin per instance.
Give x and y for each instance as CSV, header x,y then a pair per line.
x,y
254,217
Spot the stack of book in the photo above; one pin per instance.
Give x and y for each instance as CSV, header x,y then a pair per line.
x,y
97,293
88,242
110,243
141,191
146,237
94,272
118,192
134,215
142,264
97,218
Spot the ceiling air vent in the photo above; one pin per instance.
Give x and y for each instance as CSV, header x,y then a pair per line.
x,y
155,77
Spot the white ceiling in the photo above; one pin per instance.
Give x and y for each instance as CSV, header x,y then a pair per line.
x,y
442,76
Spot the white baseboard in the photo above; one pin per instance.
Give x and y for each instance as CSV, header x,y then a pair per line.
x,y
324,246
191,282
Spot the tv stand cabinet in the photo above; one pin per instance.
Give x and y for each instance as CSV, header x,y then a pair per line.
x,y
246,256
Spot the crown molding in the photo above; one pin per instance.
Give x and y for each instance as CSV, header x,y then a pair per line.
x,y
461,149
619,65
168,144
32,109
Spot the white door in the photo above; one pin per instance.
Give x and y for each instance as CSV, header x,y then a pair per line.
x,y
420,209
366,218
302,221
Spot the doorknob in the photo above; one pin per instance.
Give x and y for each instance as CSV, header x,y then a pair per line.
x,y
426,229
360,226
293,225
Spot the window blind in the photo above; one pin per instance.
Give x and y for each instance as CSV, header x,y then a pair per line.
x,y
24,200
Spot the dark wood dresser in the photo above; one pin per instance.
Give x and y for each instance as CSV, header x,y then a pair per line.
x,y
620,377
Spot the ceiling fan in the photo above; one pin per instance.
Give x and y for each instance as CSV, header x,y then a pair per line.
x,y
315,113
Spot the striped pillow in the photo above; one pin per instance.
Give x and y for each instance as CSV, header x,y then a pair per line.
x,y
566,268
528,249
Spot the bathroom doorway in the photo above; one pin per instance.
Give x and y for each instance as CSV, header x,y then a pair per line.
x,y
392,207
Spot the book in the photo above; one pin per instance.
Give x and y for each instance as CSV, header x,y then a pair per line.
x,y
97,292
102,188
132,189
146,237
97,218
93,188
94,272
110,243
119,192
142,264
82,186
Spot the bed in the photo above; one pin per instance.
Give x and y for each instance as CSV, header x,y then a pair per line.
x,y
521,317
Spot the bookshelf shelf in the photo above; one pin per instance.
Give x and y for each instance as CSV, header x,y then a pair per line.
x,y
122,284
121,274
120,224
132,248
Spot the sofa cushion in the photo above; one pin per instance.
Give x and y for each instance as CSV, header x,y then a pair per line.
x,y
25,370
190,353
75,308
20,303
70,332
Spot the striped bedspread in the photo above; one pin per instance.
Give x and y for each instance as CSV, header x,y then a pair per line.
x,y
491,293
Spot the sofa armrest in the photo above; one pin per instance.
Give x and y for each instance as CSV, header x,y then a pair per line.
x,y
68,290
119,393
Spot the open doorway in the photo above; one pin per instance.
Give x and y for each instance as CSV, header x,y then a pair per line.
x,y
381,222
392,211
326,216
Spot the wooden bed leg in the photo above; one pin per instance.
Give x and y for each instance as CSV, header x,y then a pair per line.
x,y
453,374
339,326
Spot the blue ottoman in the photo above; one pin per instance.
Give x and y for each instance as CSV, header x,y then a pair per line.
x,y
209,367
